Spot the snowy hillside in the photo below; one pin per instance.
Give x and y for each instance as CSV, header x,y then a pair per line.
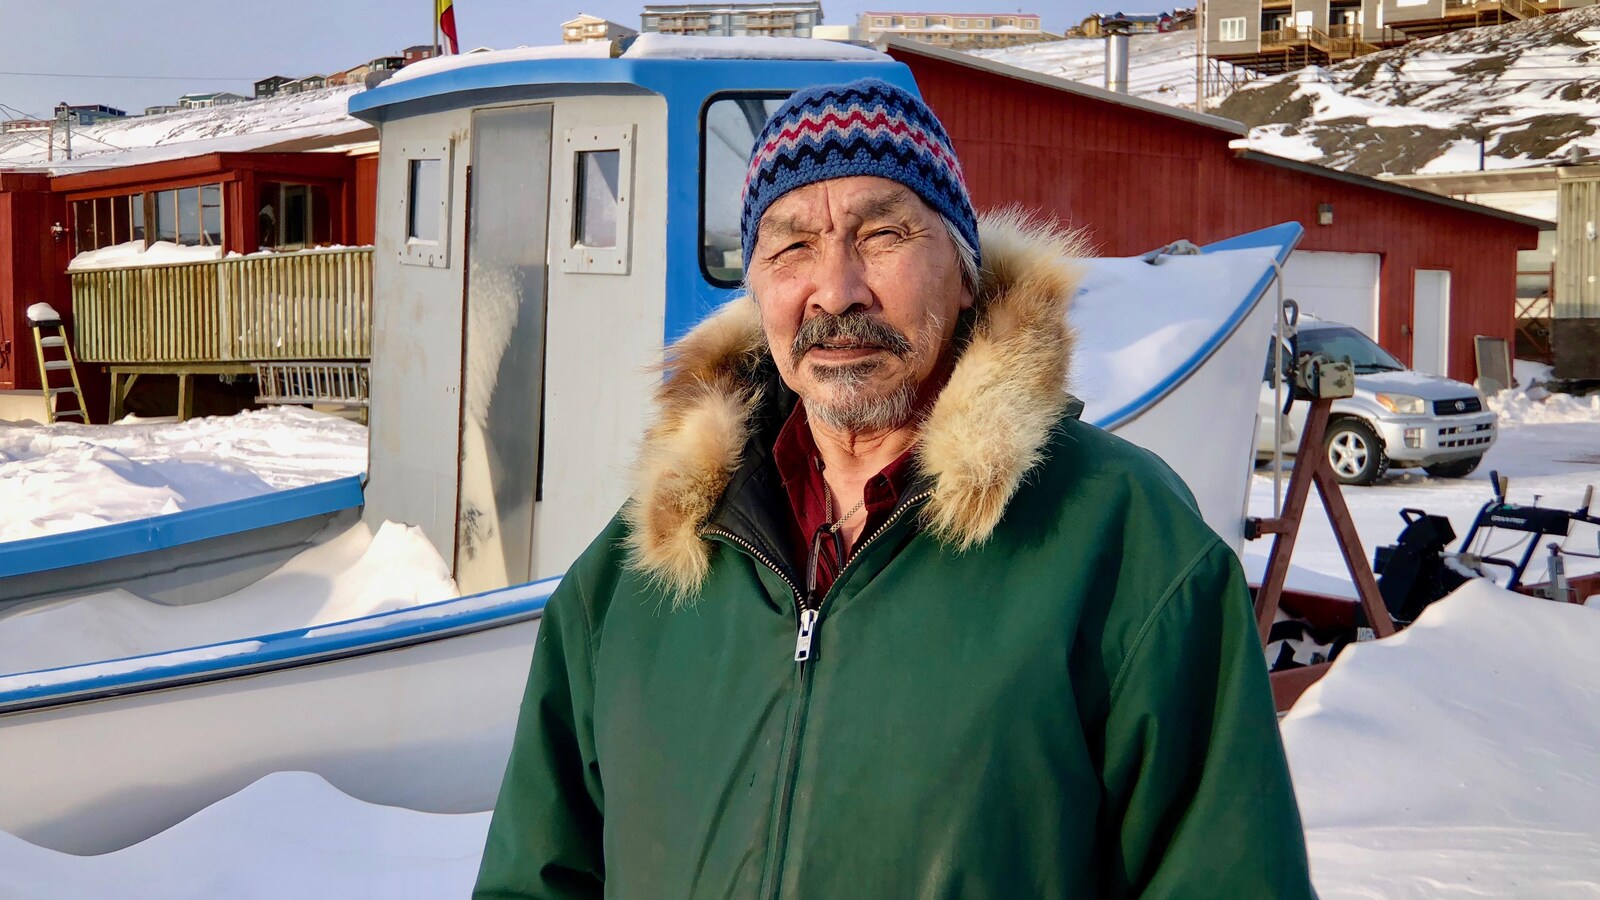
x,y
256,125
1529,91
1161,67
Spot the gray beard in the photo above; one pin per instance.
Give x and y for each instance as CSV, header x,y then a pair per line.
x,y
855,413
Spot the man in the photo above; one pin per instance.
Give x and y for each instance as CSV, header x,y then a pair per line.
x,y
882,618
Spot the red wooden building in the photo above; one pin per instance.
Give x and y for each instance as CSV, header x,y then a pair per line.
x,y
1139,174
237,203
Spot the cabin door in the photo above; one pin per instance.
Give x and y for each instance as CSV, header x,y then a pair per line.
x,y
502,367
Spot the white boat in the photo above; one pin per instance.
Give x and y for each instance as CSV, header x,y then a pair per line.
x,y
504,410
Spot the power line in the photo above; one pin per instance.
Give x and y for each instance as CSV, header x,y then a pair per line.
x,y
136,77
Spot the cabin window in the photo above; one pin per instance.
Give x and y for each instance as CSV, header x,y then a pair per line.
x,y
597,204
1231,29
596,224
425,203
423,193
728,128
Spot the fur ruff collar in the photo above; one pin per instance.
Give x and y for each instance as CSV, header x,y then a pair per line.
x,y
986,431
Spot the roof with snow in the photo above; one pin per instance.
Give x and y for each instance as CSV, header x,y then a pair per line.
x,y
1161,67
309,120
1507,96
1000,63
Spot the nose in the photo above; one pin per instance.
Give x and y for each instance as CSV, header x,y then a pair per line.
x,y
840,282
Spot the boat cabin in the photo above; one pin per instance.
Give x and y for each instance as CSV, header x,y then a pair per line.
x,y
548,218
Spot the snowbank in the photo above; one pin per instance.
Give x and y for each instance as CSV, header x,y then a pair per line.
x,y
1517,406
349,573
291,834
134,253
1458,758
56,478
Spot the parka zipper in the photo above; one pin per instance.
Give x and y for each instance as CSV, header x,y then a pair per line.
x,y
808,618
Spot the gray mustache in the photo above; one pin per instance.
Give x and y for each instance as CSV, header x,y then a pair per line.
x,y
850,328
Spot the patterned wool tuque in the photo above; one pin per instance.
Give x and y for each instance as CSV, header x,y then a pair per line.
x,y
865,127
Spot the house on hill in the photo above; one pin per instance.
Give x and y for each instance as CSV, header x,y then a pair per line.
x,y
268,87
300,85
210,99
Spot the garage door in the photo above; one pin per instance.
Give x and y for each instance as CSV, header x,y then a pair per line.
x,y
1340,287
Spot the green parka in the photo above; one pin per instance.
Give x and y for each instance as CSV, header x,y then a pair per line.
x,y
1040,679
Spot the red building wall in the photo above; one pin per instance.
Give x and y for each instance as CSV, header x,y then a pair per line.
x,y
365,214
32,260
1137,179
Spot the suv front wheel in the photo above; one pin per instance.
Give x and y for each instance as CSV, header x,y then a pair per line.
x,y
1355,452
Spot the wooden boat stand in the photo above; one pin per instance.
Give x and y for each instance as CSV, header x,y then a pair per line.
x,y
1311,466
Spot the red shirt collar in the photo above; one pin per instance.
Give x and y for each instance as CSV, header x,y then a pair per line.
x,y
800,467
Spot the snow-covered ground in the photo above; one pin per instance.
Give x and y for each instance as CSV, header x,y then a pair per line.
x,y
61,477
1458,759
291,834
1161,67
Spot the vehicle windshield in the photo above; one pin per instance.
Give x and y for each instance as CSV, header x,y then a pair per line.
x,y
1344,341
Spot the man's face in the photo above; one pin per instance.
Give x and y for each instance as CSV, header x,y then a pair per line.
x,y
859,286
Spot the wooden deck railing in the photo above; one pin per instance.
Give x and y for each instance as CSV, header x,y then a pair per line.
x,y
307,305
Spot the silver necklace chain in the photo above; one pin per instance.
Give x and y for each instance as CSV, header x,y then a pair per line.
x,y
827,507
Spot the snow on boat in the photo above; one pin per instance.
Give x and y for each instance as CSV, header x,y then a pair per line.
x,y
507,395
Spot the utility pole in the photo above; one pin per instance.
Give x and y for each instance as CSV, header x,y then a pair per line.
x,y
64,116
1200,56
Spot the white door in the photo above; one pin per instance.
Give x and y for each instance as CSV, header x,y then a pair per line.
x,y
1338,287
1430,322
1303,21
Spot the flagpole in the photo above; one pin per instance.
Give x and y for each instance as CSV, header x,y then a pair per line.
x,y
434,51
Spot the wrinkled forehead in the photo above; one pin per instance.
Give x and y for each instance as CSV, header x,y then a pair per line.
x,y
840,202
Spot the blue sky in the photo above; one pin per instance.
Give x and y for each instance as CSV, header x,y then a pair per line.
x,y
224,44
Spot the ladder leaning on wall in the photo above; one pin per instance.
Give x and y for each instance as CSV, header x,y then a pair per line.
x,y
42,317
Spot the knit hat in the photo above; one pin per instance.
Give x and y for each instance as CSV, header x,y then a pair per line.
x,y
865,127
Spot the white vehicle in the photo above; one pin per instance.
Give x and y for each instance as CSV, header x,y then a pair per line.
x,y
1397,419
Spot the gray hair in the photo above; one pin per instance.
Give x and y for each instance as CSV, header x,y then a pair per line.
x,y
966,255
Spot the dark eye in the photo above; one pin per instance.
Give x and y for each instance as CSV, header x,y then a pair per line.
x,y
889,233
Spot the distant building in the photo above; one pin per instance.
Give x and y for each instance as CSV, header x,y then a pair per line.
x,y
268,87
89,114
837,33
418,53
308,83
1135,23
961,31
210,99
1268,36
733,19
162,109
11,125
586,28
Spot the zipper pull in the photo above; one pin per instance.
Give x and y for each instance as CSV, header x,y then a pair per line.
x,y
808,628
